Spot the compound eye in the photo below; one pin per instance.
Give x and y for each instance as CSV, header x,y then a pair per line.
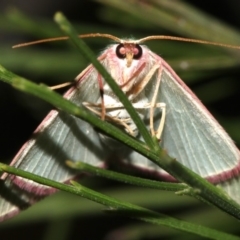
x,y
120,51
137,52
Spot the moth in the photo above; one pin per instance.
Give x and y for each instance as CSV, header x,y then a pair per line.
x,y
172,112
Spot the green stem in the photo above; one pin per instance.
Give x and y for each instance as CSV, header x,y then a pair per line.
x,y
120,177
124,208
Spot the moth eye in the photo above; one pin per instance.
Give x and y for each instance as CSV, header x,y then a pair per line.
x,y
137,52
120,51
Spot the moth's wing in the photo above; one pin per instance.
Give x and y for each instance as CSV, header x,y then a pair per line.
x,y
192,136
58,138
232,188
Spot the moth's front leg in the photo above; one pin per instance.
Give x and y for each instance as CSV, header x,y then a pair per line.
x,y
153,105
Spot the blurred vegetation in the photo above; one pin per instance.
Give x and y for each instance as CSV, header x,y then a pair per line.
x,y
212,72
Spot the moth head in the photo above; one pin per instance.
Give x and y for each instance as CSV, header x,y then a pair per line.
x,y
129,51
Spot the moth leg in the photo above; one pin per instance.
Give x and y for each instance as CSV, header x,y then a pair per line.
x,y
62,85
126,122
138,87
153,105
103,109
96,108
158,133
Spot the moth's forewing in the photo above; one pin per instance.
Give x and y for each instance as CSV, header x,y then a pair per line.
x,y
191,135
58,138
